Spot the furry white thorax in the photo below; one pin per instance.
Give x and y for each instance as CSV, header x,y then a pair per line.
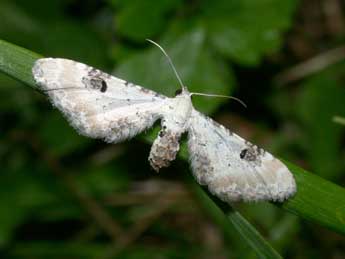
x,y
179,110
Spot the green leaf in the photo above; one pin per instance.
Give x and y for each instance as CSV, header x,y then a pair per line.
x,y
20,193
69,140
199,70
247,30
323,136
85,46
139,20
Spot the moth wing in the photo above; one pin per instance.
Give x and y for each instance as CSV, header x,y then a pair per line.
x,y
97,104
232,168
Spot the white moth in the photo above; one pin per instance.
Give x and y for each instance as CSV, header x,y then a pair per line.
x,y
99,105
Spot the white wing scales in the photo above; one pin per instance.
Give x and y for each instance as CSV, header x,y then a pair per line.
x,y
99,105
96,104
232,168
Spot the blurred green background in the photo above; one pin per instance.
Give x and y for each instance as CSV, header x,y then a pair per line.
x,y
65,196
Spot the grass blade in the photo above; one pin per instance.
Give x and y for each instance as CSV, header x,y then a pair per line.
x,y
317,200
251,235
217,209
17,62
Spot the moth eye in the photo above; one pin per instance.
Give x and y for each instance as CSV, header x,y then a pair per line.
x,y
104,86
178,91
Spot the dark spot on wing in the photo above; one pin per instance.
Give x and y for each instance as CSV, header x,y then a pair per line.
x,y
104,86
249,154
95,82
243,153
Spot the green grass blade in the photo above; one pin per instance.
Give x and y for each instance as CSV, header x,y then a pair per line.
x,y
217,209
17,62
340,120
317,200
251,235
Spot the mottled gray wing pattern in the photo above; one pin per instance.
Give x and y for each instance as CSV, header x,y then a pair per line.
x,y
232,168
97,104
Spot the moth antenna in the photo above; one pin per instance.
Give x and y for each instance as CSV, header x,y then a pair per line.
x,y
170,62
222,96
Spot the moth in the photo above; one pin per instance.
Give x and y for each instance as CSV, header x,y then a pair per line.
x,y
102,106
